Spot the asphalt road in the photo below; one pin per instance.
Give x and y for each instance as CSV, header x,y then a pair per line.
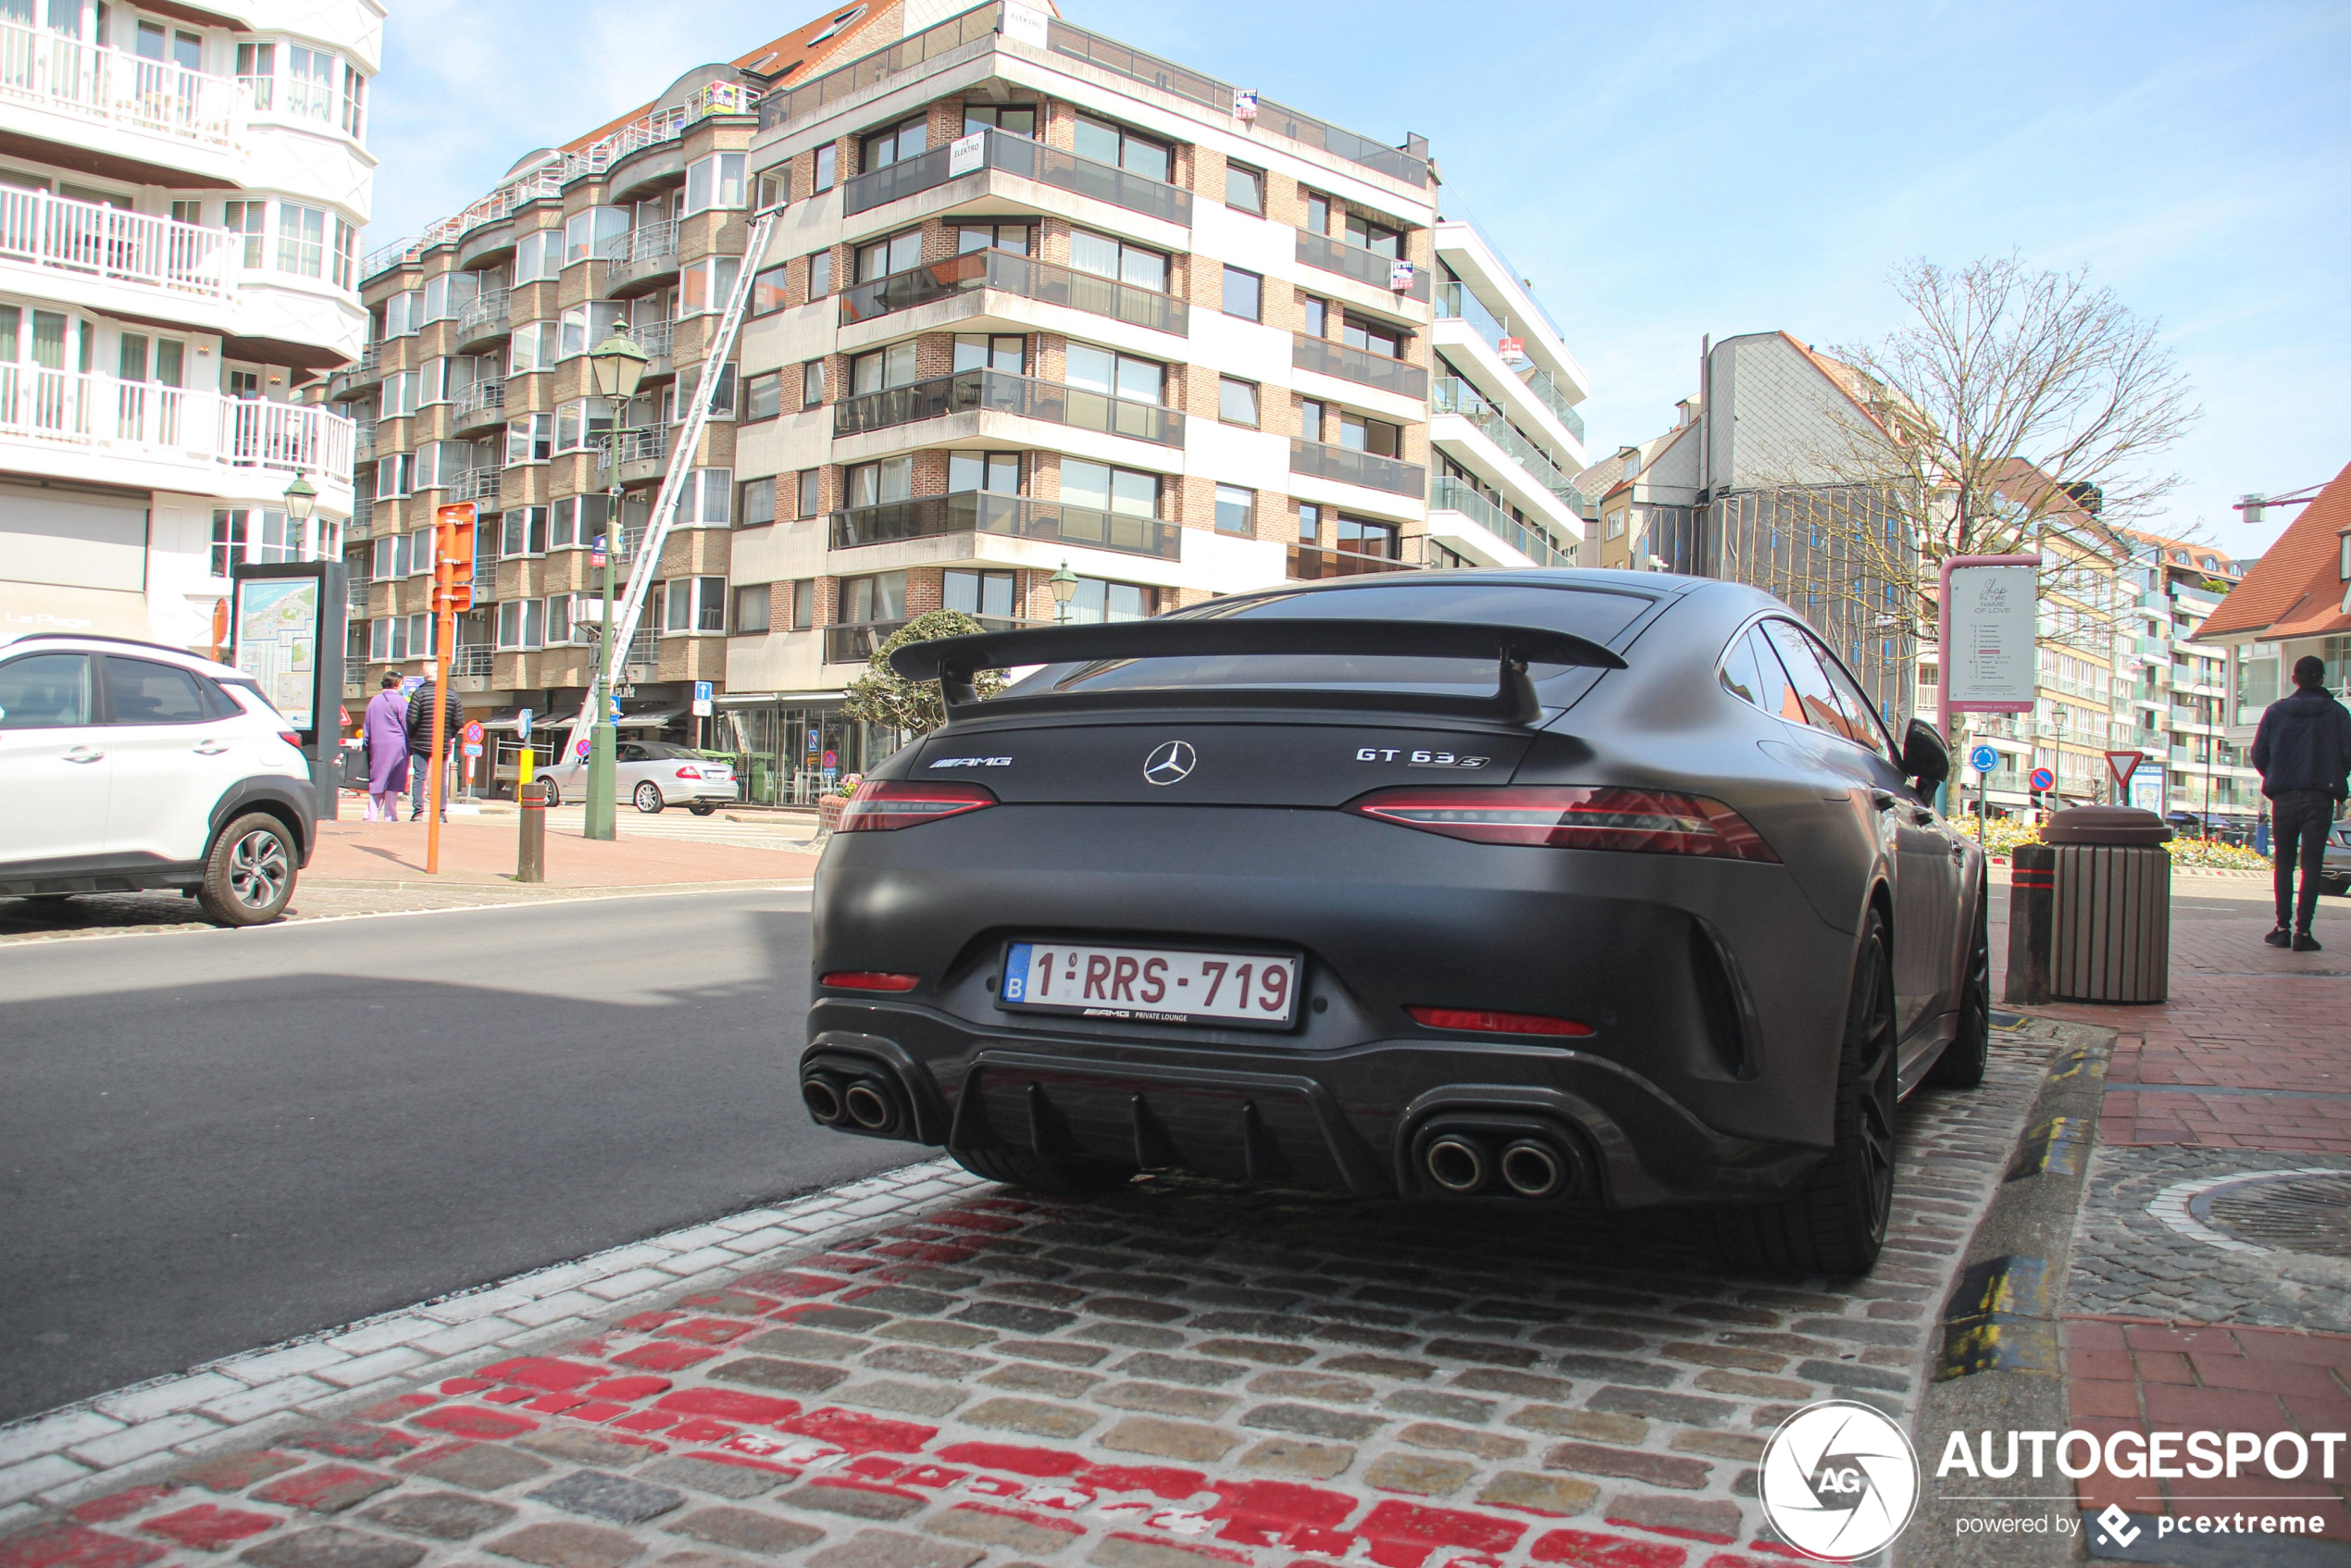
x,y
213,1140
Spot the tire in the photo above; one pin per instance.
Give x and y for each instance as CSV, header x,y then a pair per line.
x,y
1963,1062
1017,1167
647,798
249,874
1835,1223
554,796
701,808
47,900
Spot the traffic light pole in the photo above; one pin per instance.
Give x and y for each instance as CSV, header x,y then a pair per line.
x,y
597,822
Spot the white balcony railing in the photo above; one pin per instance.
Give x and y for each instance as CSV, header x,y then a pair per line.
x,y
107,87
141,419
95,241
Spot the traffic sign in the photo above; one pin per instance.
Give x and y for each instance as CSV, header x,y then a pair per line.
x,y
1984,759
702,699
2123,765
471,748
473,732
580,746
2044,779
522,725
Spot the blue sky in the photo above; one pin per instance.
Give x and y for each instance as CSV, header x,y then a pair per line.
x,y
1666,171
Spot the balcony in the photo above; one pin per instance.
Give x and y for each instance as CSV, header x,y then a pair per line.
x,y
1327,358
853,642
471,661
476,484
478,407
1456,302
141,419
996,391
640,257
658,339
633,456
1016,516
1354,261
106,87
1007,273
1450,394
1030,160
91,240
485,316
1310,563
1446,493
355,591
1349,467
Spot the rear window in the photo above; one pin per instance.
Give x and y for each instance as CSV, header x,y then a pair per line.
x,y
1599,614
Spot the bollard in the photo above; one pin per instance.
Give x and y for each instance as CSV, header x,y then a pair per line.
x,y
531,862
2032,899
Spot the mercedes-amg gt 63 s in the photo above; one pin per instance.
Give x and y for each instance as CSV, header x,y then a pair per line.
x,y
1561,889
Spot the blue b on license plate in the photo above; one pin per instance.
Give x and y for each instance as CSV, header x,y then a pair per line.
x,y
1150,984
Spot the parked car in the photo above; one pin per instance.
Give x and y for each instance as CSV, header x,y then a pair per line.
x,y
128,765
1549,888
650,775
2335,877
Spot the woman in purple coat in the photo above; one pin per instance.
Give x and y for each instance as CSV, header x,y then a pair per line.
x,y
387,733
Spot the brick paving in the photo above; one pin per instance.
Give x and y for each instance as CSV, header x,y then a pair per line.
x,y
1180,1375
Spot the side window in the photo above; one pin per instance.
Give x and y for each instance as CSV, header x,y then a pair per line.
x,y
632,754
45,692
1814,693
1868,729
142,691
1739,676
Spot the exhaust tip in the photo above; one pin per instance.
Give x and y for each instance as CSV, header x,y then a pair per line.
x,y
1457,1164
1532,1170
823,1099
868,1106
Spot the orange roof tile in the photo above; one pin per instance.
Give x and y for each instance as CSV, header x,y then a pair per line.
x,y
2295,588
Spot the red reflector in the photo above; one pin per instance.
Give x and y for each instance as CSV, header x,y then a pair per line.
x,y
885,803
1479,1020
1573,818
869,980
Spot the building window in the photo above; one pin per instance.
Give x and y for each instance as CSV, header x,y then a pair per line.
x,y
1097,601
585,326
228,524
1310,418
881,597
763,396
820,275
1318,317
1013,237
811,491
354,103
803,603
1359,432
1120,375
1127,491
767,294
575,521
978,593
873,484
756,505
895,144
812,383
1016,119
704,285
346,254
520,624
1374,337
531,437
257,74
539,257
302,240
715,181
1236,401
827,160
1129,150
1362,537
1376,238
899,253
535,347
1245,188
596,234
1003,352
751,610
882,368
1236,510
1318,213
997,471
1244,294
707,500
395,474
694,603
310,83
1107,257
523,531
584,424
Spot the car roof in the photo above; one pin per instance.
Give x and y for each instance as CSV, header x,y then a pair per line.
x,y
91,642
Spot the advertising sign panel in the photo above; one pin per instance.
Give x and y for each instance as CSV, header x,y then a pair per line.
x,y
1988,656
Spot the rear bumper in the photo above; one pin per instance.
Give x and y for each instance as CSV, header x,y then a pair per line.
x,y
1343,1120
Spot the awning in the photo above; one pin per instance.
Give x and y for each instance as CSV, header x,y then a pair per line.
x,y
28,607
653,719
777,699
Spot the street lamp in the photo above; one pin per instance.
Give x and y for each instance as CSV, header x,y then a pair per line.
x,y
1065,586
614,367
301,498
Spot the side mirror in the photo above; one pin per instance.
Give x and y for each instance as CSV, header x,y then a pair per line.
x,y
1924,756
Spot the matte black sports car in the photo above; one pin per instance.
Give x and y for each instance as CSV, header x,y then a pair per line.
x,y
1564,887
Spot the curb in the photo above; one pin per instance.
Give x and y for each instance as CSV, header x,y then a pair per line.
x,y
2002,1363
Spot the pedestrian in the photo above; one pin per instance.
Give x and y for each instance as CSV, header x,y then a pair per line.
x,y
420,755
2303,749
384,729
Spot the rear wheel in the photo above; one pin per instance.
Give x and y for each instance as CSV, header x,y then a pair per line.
x,y
250,873
1053,1179
554,796
1963,1062
647,798
1836,1222
701,808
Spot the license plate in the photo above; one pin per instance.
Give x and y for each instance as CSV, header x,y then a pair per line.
x,y
1152,984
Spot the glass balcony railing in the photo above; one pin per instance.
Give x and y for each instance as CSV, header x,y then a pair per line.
x,y
1042,280
998,391
485,315
1456,301
1028,159
1450,394
1328,358
1018,516
1310,563
648,444
1350,466
853,642
1446,493
1354,261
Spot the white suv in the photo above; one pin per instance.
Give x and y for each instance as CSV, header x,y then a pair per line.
x,y
129,764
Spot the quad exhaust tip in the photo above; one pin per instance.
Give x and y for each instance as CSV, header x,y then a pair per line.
x,y
823,1098
1532,1170
1457,1164
1474,1155
853,1103
868,1105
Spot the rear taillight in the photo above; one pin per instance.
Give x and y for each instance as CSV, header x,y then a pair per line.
x,y
1573,818
1483,1021
868,980
290,737
690,773
880,803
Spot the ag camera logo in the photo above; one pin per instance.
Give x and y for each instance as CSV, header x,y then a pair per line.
x,y
1840,1481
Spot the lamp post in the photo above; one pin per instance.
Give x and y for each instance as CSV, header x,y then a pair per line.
x,y
1063,584
615,365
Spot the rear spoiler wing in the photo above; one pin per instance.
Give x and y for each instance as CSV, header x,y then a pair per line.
x,y
954,661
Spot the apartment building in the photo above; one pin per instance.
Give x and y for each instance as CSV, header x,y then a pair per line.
x,y
1034,303
2175,692
181,190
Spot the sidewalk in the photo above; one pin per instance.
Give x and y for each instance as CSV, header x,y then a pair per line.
x,y
2210,1286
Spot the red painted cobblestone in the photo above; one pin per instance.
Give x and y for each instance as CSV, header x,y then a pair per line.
x,y
209,1527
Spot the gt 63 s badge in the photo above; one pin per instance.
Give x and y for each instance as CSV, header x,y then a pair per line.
x,y
1417,759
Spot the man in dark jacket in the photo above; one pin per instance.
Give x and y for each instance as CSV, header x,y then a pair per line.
x,y
2304,751
420,758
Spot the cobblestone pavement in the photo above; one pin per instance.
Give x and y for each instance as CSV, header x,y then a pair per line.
x,y
1180,1375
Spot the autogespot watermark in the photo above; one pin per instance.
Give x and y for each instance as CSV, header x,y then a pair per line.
x,y
1840,1481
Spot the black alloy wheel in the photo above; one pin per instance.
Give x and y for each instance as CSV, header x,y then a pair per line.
x,y
1835,1223
1963,1062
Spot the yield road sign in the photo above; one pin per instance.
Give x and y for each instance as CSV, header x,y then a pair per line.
x,y
2123,765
